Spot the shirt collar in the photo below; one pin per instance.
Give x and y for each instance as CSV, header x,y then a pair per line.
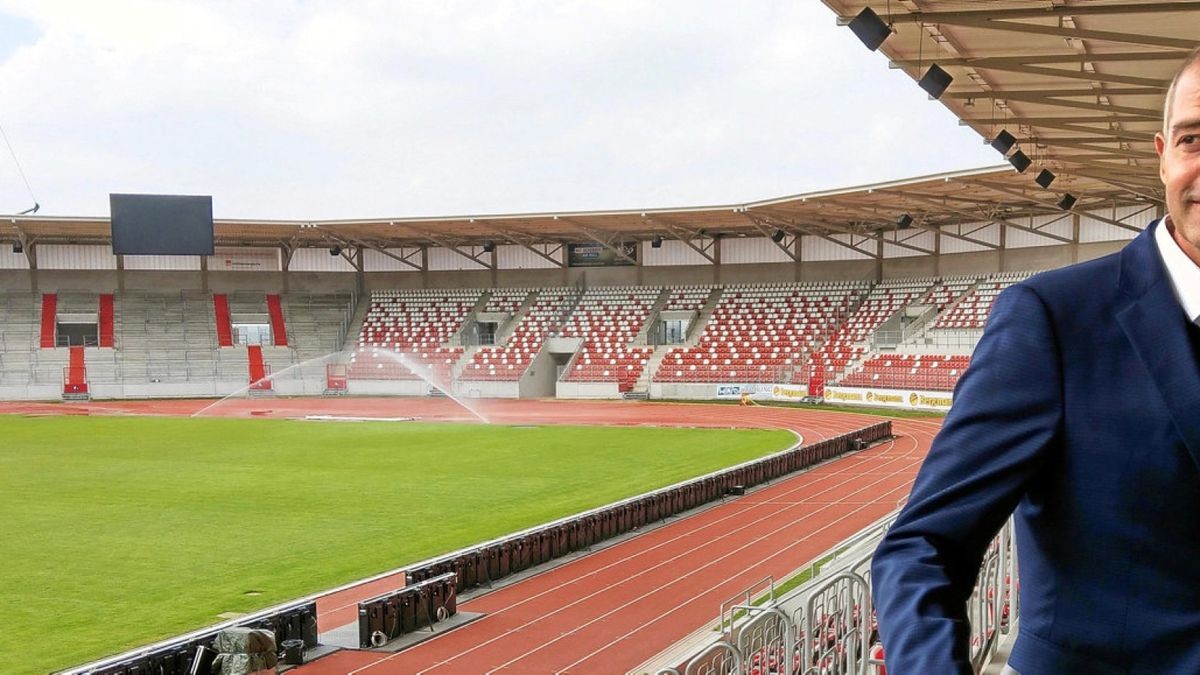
x,y
1183,273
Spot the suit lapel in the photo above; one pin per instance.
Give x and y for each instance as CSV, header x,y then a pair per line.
x,y
1157,328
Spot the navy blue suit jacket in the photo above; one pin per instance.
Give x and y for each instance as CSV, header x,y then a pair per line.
x,y
1081,410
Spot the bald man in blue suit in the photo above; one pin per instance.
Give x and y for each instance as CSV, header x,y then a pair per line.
x,y
1081,411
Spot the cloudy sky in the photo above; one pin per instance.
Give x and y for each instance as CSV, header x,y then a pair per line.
x,y
338,109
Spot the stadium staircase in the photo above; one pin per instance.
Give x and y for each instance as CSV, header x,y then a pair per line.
x,y
105,318
643,336
223,323
702,301
75,384
278,327
49,318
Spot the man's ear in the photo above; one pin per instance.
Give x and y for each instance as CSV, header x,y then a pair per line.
x,y
1160,146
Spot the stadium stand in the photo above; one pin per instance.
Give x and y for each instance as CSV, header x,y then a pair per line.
x,y
901,333
508,362
417,324
608,320
760,333
847,344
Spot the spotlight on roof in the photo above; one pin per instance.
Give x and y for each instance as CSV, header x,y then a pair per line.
x,y
1067,202
1045,178
904,222
656,242
1003,142
934,81
1020,161
335,250
777,236
489,246
870,28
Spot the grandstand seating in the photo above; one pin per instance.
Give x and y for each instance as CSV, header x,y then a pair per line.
x,y
765,333
972,311
508,362
848,341
686,298
608,319
417,325
760,333
908,371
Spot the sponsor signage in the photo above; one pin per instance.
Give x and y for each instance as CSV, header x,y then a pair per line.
x,y
595,255
788,392
891,398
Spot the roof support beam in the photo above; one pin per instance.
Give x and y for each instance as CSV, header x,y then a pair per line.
x,y
873,215
1157,84
686,236
1055,99
453,246
1015,193
1070,58
1120,152
527,242
784,245
1046,120
991,22
1105,134
1129,187
991,218
954,16
785,223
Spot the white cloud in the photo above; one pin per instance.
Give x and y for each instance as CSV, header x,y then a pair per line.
x,y
332,109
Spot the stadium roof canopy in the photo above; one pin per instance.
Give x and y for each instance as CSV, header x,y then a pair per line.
x,y
1079,84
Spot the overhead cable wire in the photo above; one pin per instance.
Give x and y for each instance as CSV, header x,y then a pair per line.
x,y
17,162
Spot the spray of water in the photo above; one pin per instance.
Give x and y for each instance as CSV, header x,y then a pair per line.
x,y
271,377
427,375
417,369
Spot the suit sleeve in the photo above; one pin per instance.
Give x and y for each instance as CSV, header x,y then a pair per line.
x,y
1006,416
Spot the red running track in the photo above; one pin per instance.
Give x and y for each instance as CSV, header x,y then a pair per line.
x,y
614,609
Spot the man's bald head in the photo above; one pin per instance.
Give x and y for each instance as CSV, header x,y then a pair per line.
x,y
1192,61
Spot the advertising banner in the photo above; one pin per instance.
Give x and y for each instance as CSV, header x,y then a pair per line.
x,y
595,255
788,392
912,399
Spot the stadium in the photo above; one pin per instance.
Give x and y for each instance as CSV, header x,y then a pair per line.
x,y
655,440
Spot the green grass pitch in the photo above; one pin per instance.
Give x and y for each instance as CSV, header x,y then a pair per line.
x,y
119,531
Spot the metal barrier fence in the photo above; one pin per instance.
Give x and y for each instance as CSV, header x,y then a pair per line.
x,y
193,653
487,562
827,626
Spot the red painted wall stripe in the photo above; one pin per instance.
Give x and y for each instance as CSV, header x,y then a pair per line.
x,y
106,321
49,319
278,329
224,327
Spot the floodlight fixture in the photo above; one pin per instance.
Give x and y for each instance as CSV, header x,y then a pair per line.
x,y
1003,142
870,28
934,81
1020,161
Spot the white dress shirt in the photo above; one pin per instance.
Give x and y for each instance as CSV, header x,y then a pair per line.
x,y
1183,273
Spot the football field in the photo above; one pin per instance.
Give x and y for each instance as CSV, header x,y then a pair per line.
x,y
118,531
